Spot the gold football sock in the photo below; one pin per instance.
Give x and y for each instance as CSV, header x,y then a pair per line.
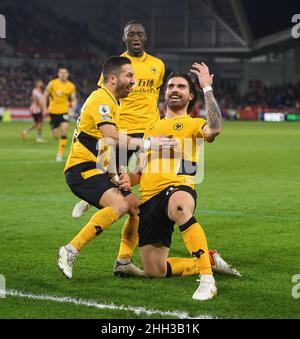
x,y
195,241
100,221
182,267
62,145
129,238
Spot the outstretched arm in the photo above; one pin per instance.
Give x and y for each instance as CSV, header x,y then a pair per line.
x,y
214,116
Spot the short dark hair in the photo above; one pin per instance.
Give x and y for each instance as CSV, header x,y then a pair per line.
x,y
193,83
62,66
133,22
113,65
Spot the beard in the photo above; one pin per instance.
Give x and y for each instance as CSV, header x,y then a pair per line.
x,y
177,105
122,89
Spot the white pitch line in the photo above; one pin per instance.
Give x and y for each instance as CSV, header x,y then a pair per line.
x,y
94,304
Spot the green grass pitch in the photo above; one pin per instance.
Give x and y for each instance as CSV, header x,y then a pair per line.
x,y
248,204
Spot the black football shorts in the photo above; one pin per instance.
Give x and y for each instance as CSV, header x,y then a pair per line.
x,y
155,227
57,119
92,188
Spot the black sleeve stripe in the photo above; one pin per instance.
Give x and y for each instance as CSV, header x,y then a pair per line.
x,y
105,123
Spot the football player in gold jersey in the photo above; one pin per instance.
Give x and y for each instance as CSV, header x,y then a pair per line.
x,y
137,111
87,169
167,184
61,94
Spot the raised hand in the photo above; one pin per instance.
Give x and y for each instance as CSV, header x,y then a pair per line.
x,y
202,72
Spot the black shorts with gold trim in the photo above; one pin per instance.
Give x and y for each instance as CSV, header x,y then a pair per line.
x,y
87,185
57,119
155,227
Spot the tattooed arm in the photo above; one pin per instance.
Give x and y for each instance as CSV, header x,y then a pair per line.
x,y
214,117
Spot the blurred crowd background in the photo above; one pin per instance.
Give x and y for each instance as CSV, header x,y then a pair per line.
x,y
255,59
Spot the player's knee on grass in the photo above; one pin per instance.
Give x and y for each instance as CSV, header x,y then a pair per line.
x,y
154,259
156,270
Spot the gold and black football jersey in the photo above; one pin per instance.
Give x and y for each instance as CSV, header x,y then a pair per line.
x,y
139,110
59,95
176,167
88,144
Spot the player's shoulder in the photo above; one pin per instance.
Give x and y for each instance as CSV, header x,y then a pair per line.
x,y
152,58
52,84
101,97
70,84
197,122
53,81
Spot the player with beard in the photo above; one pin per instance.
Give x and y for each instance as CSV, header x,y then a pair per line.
x,y
137,112
167,184
87,167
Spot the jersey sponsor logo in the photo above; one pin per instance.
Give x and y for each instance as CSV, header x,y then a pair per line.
x,y
154,70
178,127
58,93
145,82
104,110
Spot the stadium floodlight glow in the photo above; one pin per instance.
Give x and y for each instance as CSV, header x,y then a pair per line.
x,y
2,286
296,28
2,26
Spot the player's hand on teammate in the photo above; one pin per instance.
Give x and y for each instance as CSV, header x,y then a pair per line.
x,y
124,180
202,72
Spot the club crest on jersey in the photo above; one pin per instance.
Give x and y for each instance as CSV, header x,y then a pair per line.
x,y
153,70
58,93
178,127
104,110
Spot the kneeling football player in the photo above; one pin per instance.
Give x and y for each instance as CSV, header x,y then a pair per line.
x,y
169,197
